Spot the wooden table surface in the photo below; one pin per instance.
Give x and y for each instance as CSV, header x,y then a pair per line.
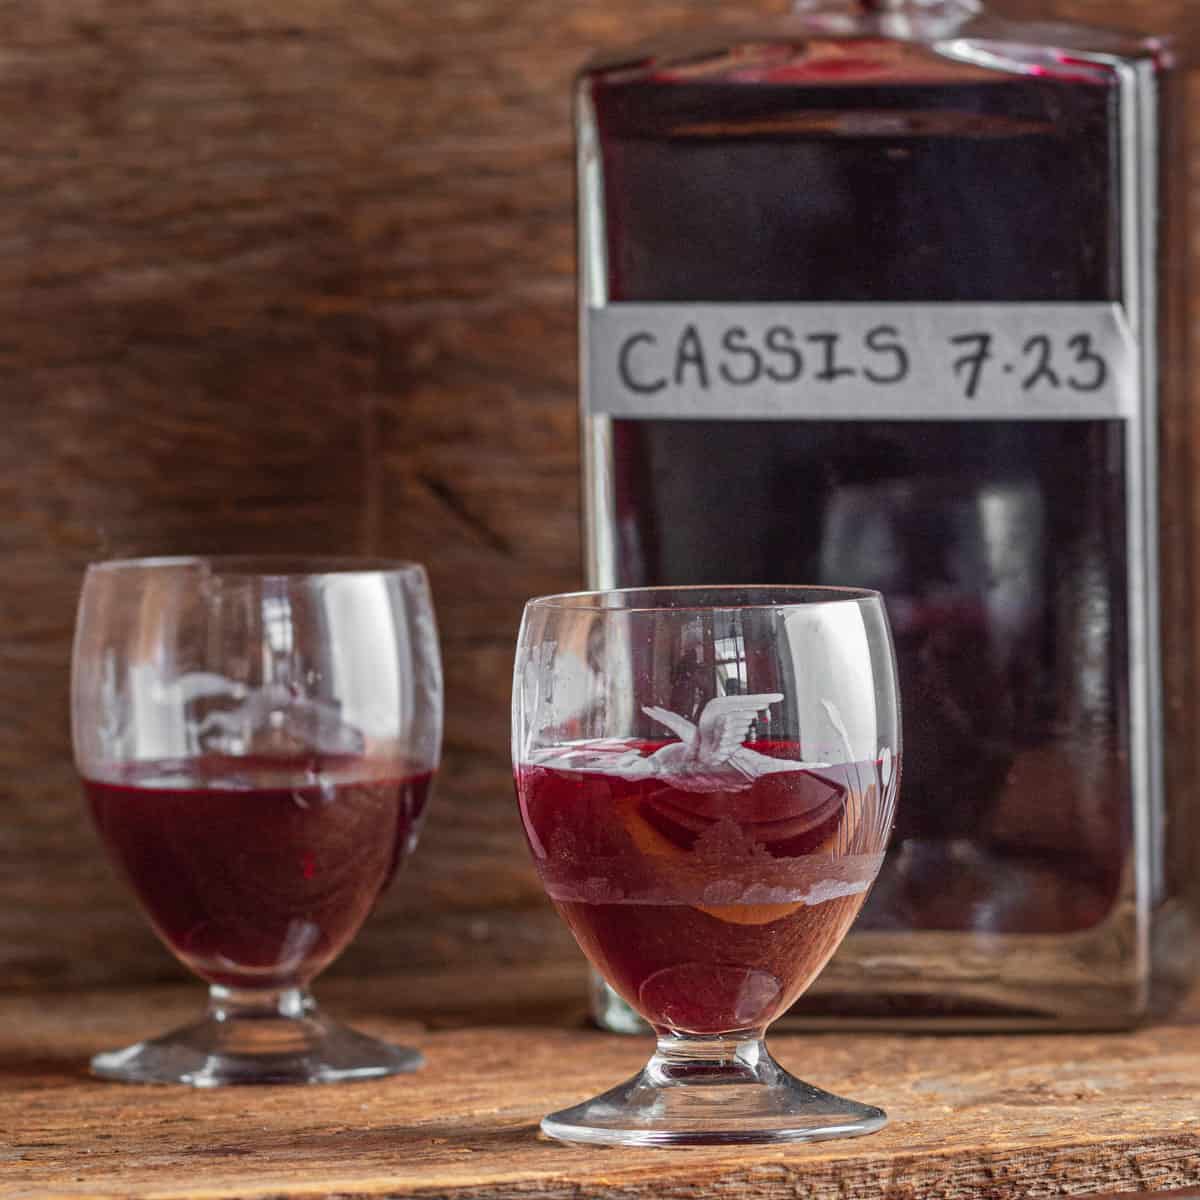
x,y
987,1116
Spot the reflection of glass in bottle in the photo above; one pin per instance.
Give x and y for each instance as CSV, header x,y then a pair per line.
x,y
885,298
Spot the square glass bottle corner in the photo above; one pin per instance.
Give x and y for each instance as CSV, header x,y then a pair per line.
x,y
891,295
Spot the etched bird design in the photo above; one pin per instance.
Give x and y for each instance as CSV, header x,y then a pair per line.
x,y
710,756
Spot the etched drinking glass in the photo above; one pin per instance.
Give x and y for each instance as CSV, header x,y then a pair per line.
x,y
257,738
707,779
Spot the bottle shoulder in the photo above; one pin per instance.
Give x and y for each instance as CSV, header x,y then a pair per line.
x,y
864,53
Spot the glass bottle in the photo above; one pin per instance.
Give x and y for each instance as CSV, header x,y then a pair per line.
x,y
890,294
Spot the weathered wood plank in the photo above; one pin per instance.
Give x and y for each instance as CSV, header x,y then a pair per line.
x,y
295,276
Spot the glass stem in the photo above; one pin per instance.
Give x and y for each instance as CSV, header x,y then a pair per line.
x,y
272,1021
229,1004
681,1058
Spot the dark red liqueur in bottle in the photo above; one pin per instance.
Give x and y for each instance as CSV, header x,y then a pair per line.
x,y
258,871
864,172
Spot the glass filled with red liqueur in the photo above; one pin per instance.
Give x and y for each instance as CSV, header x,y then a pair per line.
x,y
257,738
707,778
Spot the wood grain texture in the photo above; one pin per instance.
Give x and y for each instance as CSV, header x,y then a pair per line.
x,y
295,276
997,1117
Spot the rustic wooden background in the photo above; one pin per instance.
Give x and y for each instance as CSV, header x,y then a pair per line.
x,y
297,275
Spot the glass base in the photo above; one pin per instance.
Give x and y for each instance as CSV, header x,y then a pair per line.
x,y
710,1092
247,1037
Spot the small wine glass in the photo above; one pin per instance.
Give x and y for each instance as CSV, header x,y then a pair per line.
x,y
257,738
707,779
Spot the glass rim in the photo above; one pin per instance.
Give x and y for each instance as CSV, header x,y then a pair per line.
x,y
263,566
783,596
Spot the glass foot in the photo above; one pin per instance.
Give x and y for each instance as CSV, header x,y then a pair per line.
x,y
278,1037
710,1092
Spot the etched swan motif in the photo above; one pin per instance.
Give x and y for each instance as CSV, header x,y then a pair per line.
x,y
709,757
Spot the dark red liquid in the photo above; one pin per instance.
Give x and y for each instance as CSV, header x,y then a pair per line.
x,y
874,173
258,872
709,912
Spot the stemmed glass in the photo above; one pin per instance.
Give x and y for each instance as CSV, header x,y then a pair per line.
x,y
257,738
707,779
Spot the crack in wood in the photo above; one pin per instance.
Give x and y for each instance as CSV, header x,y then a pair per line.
x,y
458,507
